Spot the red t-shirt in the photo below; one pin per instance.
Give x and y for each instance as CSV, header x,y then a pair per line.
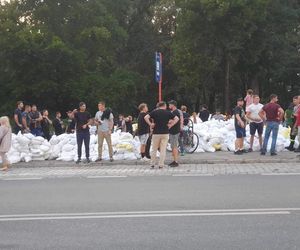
x,y
298,118
272,112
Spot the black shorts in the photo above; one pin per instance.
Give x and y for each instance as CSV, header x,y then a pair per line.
x,y
259,127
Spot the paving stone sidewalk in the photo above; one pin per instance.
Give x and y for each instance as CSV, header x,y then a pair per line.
x,y
220,163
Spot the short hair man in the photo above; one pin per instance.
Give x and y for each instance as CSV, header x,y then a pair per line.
x,y
272,113
256,123
162,121
143,130
105,120
240,126
18,117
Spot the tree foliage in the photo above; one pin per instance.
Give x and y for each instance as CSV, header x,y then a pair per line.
x,y
56,53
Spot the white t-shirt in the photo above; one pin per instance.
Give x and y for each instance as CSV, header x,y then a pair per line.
x,y
104,125
254,110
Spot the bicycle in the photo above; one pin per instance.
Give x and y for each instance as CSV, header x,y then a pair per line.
x,y
188,139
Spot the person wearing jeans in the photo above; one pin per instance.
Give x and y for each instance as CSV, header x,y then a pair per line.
x,y
105,121
274,128
272,113
83,120
161,121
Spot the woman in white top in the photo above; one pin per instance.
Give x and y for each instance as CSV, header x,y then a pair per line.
x,y
5,141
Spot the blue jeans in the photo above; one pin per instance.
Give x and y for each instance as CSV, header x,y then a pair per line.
x,y
37,132
271,127
83,136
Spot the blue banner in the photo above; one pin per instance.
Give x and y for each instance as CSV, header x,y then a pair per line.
x,y
158,67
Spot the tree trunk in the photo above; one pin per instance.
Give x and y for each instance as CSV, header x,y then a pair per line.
x,y
227,84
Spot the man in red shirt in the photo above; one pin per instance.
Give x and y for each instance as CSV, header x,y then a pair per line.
x,y
272,113
297,124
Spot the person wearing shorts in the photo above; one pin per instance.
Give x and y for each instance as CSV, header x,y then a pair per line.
x,y
240,124
256,123
160,120
292,122
175,132
143,131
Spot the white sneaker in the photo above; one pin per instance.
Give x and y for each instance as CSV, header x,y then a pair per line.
x,y
145,159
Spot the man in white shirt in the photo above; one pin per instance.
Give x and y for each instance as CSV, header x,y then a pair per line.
x,y
105,121
256,123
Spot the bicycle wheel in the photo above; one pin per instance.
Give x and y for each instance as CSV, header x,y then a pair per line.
x,y
191,143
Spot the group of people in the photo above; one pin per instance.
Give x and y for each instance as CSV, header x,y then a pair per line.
x,y
165,124
28,119
258,115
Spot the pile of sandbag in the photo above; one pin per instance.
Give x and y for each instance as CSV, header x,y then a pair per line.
x,y
64,147
28,148
220,135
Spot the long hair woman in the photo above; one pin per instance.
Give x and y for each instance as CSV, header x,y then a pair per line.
x,y
5,141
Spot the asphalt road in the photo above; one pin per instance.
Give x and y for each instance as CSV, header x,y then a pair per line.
x,y
217,212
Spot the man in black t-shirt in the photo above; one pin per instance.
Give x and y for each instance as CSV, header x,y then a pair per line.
x,y
35,121
82,121
143,130
58,124
18,117
204,113
163,120
240,126
175,132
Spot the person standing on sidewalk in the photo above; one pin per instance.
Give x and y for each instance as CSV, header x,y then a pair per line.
x,y
240,127
26,119
35,121
143,130
58,124
297,123
272,113
163,120
45,123
105,121
82,121
291,121
18,117
5,141
175,132
256,123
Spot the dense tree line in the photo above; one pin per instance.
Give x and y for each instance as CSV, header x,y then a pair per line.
x,y
55,53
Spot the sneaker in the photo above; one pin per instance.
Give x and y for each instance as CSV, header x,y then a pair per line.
x,y
99,159
174,165
262,153
87,161
160,167
145,159
78,161
244,151
250,150
111,159
290,148
152,167
273,154
239,152
182,153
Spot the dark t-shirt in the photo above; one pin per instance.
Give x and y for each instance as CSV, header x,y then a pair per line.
x,y
143,127
71,125
272,110
204,115
45,126
34,115
57,126
186,118
161,118
18,112
82,118
239,111
27,118
176,128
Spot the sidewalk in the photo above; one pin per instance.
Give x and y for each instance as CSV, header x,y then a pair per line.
x,y
196,158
